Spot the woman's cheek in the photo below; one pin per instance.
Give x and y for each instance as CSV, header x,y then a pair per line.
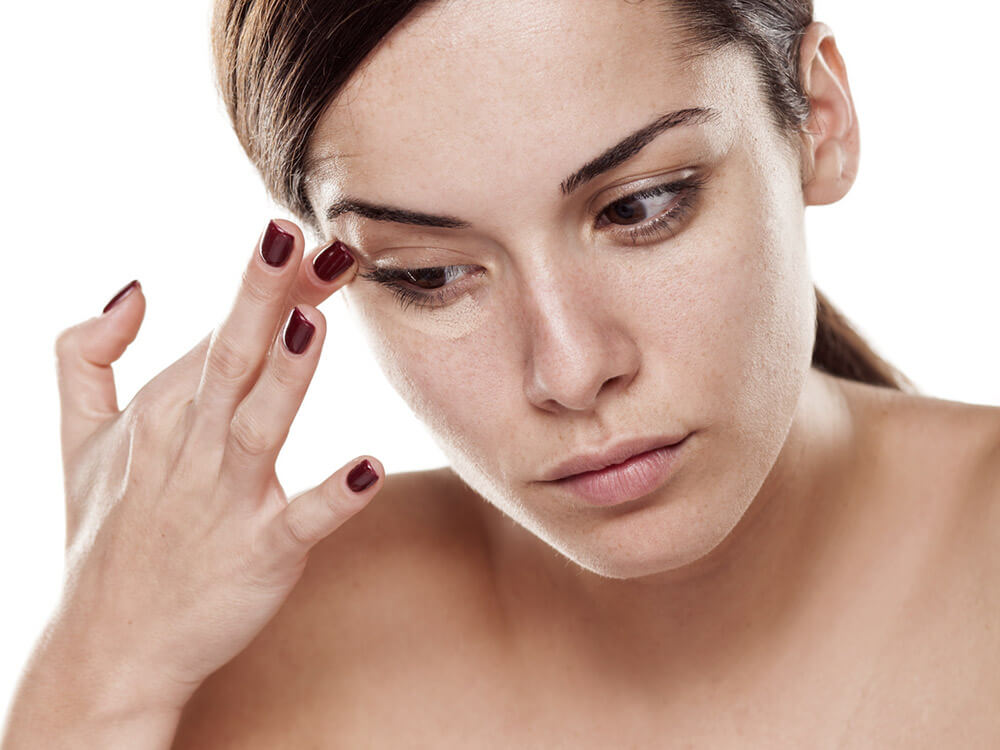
x,y
746,341
454,322
445,365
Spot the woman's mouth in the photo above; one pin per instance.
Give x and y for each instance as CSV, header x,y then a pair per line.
x,y
633,478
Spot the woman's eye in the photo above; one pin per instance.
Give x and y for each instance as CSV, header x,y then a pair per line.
x,y
407,283
648,213
633,210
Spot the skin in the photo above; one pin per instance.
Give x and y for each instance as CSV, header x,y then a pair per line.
x,y
573,337
800,582
821,572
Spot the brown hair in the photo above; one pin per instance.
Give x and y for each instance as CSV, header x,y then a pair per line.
x,y
278,64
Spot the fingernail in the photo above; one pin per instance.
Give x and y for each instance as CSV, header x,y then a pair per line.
x,y
121,293
362,476
333,261
276,245
298,332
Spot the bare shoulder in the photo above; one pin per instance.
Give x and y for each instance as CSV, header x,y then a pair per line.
x,y
932,480
940,443
941,482
952,450
397,579
935,535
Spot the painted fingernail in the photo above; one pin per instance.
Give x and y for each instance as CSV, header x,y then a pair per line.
x,y
121,293
362,476
298,332
276,245
333,261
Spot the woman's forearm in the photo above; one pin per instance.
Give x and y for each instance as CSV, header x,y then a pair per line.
x,y
65,699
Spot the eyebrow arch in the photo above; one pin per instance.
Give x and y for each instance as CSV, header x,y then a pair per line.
x,y
608,160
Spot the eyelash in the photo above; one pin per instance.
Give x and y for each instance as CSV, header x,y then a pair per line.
x,y
686,190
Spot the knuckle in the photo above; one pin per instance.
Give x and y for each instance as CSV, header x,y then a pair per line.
x,y
296,531
248,437
251,562
143,419
65,343
256,293
340,505
226,363
154,394
154,401
285,377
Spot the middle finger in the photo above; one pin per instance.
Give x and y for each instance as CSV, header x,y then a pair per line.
x,y
238,347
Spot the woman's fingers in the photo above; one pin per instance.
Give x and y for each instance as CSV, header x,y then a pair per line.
x,y
261,422
238,347
320,273
325,270
315,514
84,354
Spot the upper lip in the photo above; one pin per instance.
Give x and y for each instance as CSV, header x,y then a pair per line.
x,y
615,453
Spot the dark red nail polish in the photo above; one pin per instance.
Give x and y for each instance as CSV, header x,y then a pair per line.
x,y
362,476
298,332
276,245
121,293
333,261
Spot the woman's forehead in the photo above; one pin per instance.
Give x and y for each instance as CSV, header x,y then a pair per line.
x,y
471,88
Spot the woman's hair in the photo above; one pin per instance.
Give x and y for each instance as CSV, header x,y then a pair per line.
x,y
278,64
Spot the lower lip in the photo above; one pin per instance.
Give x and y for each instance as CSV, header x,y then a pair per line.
x,y
626,481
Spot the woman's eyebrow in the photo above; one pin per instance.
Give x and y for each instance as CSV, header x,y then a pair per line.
x,y
617,154
632,144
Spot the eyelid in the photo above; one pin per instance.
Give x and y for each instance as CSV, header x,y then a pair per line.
x,y
687,191
602,200
392,276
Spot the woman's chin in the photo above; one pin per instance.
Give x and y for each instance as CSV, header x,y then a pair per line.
x,y
652,554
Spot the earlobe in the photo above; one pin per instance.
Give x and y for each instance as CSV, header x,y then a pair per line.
x,y
831,138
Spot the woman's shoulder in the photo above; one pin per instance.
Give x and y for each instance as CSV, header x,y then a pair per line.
x,y
938,488
930,524
406,575
929,437
943,452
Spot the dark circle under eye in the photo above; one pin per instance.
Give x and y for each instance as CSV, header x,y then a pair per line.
x,y
629,210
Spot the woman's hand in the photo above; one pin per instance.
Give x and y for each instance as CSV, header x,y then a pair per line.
x,y
181,542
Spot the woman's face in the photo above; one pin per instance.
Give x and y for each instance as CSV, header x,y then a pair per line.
x,y
564,321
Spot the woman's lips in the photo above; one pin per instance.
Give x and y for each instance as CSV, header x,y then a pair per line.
x,y
631,479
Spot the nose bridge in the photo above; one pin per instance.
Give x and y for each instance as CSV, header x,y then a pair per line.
x,y
576,338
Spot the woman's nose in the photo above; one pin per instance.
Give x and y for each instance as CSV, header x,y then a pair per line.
x,y
578,347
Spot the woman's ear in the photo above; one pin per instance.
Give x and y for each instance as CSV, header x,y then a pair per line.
x,y
831,145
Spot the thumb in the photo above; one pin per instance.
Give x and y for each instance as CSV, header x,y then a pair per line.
x,y
314,514
84,354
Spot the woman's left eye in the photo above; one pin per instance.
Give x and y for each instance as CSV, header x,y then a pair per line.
x,y
667,204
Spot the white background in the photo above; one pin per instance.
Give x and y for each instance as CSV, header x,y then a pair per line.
x,y
119,163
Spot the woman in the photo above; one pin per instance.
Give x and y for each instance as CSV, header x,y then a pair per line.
x,y
574,235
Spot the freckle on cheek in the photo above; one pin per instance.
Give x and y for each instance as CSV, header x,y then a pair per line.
x,y
453,322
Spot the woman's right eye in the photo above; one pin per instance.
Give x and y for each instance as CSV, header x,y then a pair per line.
x,y
403,280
